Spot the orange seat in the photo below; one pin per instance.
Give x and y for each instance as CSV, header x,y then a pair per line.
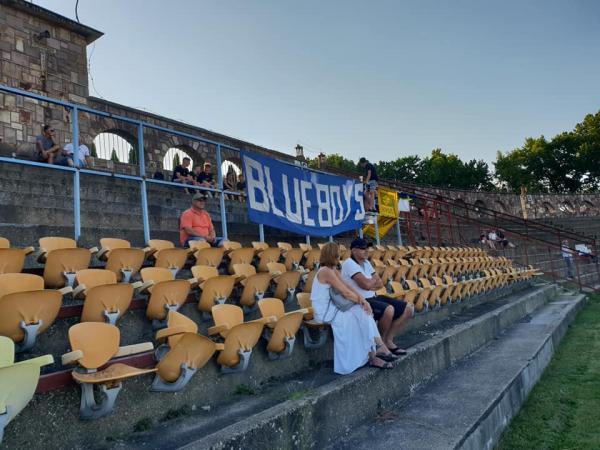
x,y
280,335
62,265
125,262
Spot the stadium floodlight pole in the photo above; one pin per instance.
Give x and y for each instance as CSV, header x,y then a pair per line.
x,y
144,193
221,195
377,229
76,184
261,232
398,232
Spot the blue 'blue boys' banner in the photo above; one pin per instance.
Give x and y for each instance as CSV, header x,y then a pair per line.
x,y
300,200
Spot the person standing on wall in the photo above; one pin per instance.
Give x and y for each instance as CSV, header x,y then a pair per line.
x,y
370,180
567,255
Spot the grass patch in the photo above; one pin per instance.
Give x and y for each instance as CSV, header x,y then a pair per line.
x,y
171,414
142,425
298,395
563,409
244,389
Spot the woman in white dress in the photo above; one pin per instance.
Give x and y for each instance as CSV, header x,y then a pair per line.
x,y
356,339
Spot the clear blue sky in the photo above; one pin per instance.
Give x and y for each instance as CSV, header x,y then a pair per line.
x,y
380,79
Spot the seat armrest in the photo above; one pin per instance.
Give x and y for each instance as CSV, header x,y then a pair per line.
x,y
71,357
143,285
137,284
78,290
303,310
28,250
219,347
168,332
127,350
193,282
94,250
39,361
65,290
268,319
217,329
103,251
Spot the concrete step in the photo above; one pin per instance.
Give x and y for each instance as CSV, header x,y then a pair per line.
x,y
323,406
470,405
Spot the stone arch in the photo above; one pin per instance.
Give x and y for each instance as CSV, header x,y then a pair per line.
x,y
115,142
566,206
178,152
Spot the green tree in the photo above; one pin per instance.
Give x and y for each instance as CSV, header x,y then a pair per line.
x,y
334,161
176,161
93,152
405,168
113,156
132,158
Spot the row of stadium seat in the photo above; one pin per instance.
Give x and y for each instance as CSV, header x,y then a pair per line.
x,y
233,280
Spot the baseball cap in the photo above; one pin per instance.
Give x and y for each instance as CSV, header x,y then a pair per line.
x,y
199,196
360,243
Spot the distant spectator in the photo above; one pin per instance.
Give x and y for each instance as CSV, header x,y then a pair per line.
x,y
370,180
492,238
158,175
66,158
584,251
46,150
567,255
503,241
241,187
195,224
229,183
182,174
206,177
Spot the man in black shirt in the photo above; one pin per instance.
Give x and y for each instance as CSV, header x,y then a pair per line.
x,y
241,186
206,177
370,180
182,174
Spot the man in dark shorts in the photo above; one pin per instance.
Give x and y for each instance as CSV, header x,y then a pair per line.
x,y
46,150
370,180
391,314
181,173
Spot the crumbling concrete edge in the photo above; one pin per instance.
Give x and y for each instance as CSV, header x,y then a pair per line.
x,y
334,409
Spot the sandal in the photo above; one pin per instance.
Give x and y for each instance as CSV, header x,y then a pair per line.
x,y
386,357
385,365
398,351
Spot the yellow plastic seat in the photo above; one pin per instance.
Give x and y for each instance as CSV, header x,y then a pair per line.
x,y
171,258
239,337
310,327
210,256
47,244
231,245
166,296
240,256
293,258
125,262
312,259
12,260
107,303
154,245
308,281
408,295
285,246
177,324
191,352
108,244
305,247
286,282
93,345
62,265
269,255
254,285
280,335
89,278
215,291
259,246
18,381
198,245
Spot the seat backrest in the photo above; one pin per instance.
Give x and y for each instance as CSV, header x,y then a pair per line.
x,y
125,258
177,320
304,300
244,269
286,246
98,341
64,260
267,256
20,282
215,288
276,267
18,386
197,245
160,244
29,307
254,283
56,243
312,258
425,282
4,243
171,258
241,256
231,245
285,281
114,243
411,284
95,277
203,273
287,326
110,298
305,247
271,307
257,245
7,351
293,257
230,315
243,336
210,256
11,260
172,292
309,281
156,274
192,349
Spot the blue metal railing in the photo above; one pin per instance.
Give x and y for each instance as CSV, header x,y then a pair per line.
x,y
75,109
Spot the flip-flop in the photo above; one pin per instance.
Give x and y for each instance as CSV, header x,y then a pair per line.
x,y
385,365
386,357
398,351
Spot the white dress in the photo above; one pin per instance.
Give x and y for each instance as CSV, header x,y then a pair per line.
x,y
354,331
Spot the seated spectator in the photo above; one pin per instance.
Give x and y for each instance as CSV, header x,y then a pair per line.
x,y
46,150
503,241
241,187
356,339
182,174
195,224
584,251
158,175
492,238
391,314
229,182
483,239
67,156
206,177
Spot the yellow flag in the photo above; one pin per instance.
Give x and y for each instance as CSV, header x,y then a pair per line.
x,y
388,212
